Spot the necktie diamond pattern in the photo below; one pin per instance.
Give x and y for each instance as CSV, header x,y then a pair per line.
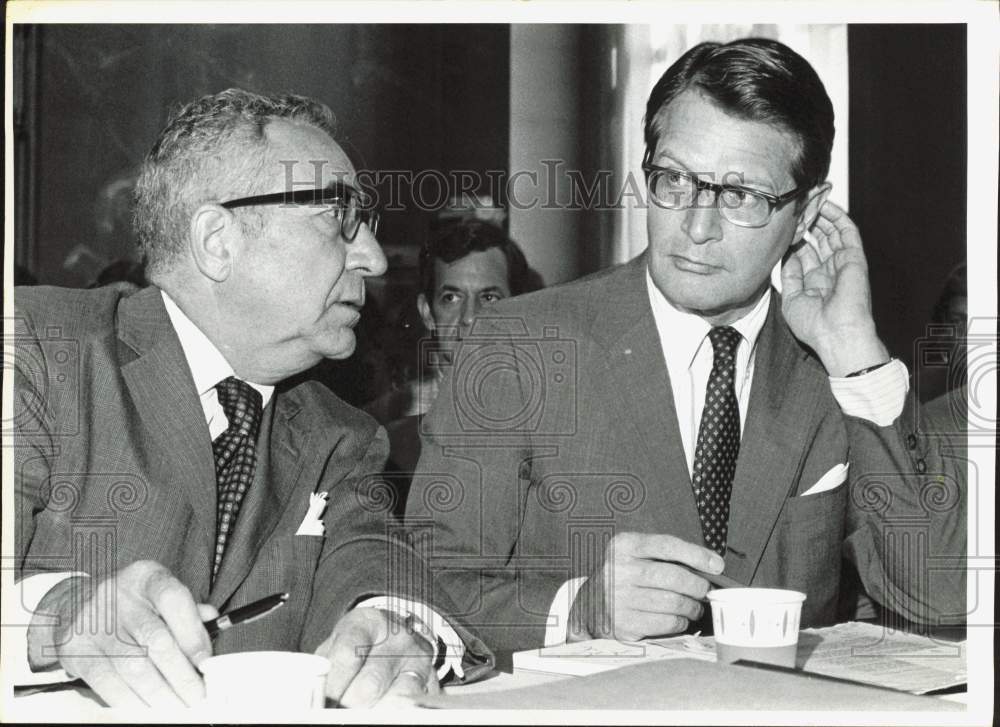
x,y
235,456
718,440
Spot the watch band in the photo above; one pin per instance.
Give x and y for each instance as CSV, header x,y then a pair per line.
x,y
868,370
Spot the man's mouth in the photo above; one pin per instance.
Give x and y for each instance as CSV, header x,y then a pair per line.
x,y
355,306
694,266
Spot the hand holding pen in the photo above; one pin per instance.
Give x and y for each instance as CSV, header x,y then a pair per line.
x,y
245,614
649,584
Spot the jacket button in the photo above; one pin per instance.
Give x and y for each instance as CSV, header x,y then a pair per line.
x,y
921,466
911,441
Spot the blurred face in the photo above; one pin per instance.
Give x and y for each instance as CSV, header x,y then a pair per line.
x,y
701,262
297,288
462,288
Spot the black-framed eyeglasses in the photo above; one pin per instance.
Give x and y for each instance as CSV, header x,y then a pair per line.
x,y
676,189
350,206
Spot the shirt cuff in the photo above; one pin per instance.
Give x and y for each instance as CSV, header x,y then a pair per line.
x,y
454,649
878,396
29,593
558,624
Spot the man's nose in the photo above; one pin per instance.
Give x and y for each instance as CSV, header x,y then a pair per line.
x,y
469,310
702,220
365,255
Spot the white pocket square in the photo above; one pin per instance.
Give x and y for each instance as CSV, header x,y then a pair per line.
x,y
834,478
312,523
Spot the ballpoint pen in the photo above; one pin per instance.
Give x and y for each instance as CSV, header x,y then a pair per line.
x,y
717,579
244,614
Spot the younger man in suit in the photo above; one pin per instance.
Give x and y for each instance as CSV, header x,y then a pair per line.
x,y
599,443
168,464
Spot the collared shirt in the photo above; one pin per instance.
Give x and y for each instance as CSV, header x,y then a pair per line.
x,y
208,367
878,396
688,353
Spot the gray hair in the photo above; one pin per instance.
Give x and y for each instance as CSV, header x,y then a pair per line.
x,y
211,149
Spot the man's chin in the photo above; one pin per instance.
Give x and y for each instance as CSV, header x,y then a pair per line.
x,y
339,347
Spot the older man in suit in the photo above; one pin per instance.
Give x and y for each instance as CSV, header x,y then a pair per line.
x,y
601,445
169,463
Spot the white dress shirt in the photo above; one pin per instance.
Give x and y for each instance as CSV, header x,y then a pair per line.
x,y
208,367
878,396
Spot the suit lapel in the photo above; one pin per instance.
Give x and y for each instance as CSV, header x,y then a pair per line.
x,y
783,400
280,443
175,436
643,396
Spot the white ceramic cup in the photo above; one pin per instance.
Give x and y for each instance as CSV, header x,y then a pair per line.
x,y
265,680
758,624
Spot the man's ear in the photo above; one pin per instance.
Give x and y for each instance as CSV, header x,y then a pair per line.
x,y
211,241
424,308
810,211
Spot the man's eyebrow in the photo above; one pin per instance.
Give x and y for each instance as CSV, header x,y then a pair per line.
x,y
738,179
730,177
667,153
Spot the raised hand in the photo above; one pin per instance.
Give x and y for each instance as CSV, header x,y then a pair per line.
x,y
826,299
135,637
642,589
376,655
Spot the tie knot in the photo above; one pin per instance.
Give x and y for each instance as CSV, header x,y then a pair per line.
x,y
725,340
242,404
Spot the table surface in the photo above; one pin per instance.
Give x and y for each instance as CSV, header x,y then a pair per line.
x,y
78,703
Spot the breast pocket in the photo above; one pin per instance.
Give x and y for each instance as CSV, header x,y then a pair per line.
x,y
824,510
305,551
807,555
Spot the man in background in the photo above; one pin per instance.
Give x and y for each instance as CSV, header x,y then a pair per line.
x,y
165,430
465,266
600,445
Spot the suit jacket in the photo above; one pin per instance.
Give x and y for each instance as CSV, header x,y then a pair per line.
x,y
114,464
556,429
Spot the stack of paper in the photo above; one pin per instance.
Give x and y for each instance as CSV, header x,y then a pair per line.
x,y
853,651
693,684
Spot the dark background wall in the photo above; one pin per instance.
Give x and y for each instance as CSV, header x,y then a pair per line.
x,y
409,97
89,100
908,168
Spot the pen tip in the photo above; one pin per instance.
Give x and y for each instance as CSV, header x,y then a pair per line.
x,y
284,597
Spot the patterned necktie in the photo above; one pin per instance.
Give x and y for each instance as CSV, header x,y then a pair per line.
x,y
718,440
235,456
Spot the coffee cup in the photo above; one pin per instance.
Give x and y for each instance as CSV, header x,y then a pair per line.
x,y
265,680
756,624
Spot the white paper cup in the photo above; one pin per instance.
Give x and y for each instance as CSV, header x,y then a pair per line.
x,y
265,680
758,624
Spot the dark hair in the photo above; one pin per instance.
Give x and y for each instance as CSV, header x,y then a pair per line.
x,y
757,80
211,148
955,286
458,239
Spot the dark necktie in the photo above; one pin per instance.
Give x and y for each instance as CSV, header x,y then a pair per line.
x,y
235,456
718,440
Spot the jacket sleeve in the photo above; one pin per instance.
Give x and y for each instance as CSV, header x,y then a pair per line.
x,y
35,429
467,496
906,533
368,554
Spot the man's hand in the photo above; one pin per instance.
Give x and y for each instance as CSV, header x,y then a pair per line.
x,y
374,654
642,589
826,299
135,637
